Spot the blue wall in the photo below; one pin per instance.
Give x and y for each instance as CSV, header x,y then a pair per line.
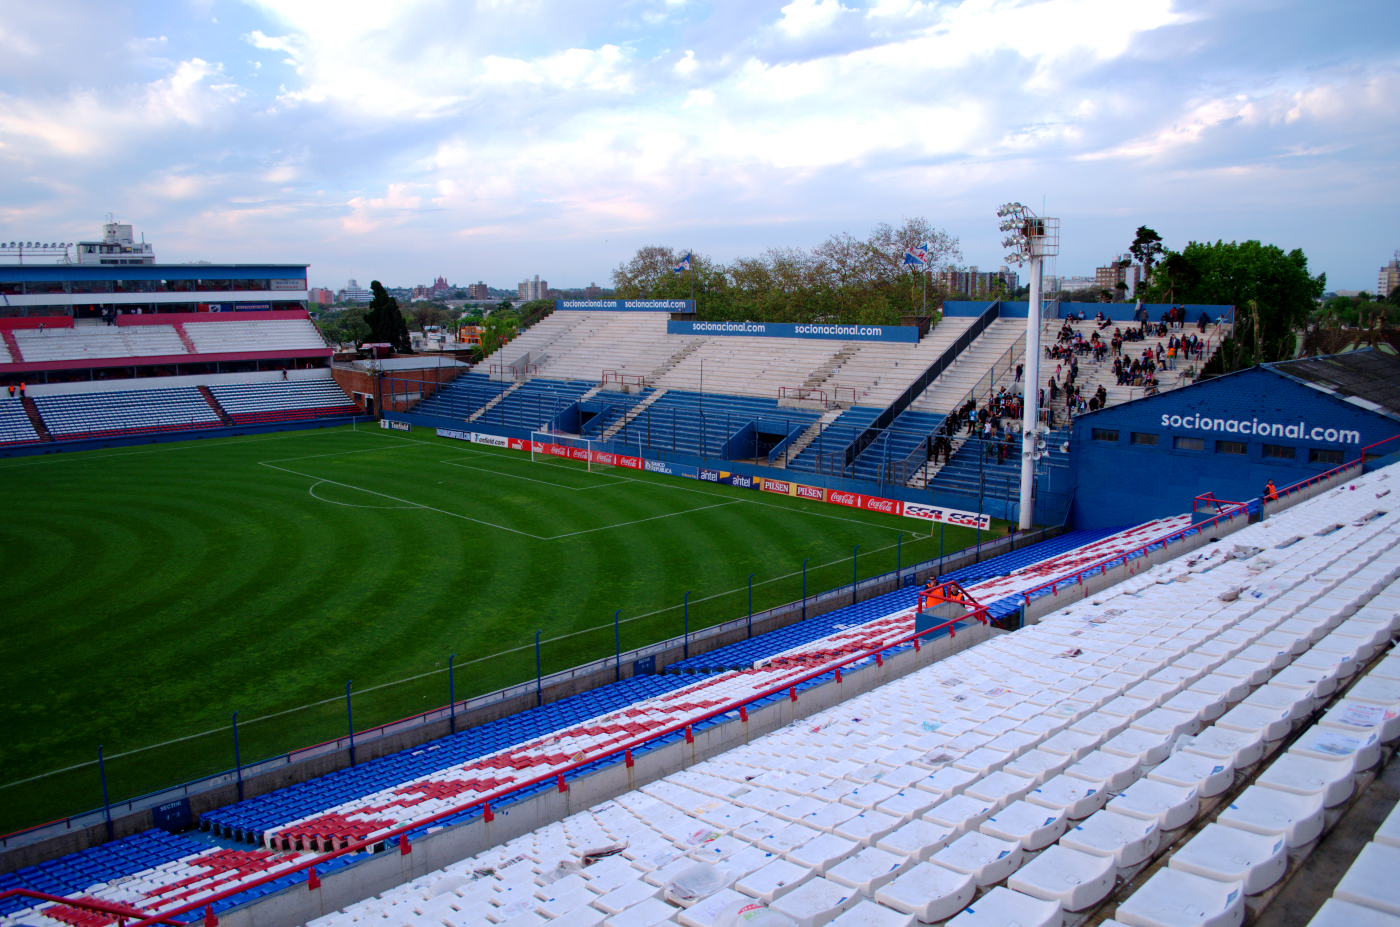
x,y
1123,312
1119,482
964,308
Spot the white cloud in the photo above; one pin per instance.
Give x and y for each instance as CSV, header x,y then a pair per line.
x,y
510,122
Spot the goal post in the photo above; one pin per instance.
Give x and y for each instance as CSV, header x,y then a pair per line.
x,y
552,446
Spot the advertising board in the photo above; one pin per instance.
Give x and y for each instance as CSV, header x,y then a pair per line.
x,y
941,515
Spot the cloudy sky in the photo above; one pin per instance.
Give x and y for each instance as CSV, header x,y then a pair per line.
x,y
503,138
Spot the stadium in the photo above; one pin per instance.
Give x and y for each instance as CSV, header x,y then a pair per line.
x,y
647,620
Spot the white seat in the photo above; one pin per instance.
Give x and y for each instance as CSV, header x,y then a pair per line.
x,y
1147,748
1034,827
647,913
1227,854
1076,880
1171,806
1371,882
869,869
1297,817
1389,831
867,913
1128,840
918,839
704,912
960,813
987,859
930,893
1240,748
1180,899
1332,780
1078,798
1326,743
816,902
1209,775
1335,913
1113,771
1001,907
773,881
821,854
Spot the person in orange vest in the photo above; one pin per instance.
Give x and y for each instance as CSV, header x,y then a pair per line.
x,y
1270,493
12,391
21,390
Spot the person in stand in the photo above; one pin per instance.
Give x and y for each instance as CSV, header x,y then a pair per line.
x,y
1270,493
12,391
21,390
1019,369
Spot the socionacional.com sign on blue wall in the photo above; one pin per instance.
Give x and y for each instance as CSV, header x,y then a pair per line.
x,y
905,333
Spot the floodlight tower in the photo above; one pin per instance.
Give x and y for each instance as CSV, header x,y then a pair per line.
x,y
1031,238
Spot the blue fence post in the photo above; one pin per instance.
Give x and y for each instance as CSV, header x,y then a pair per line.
x,y
106,806
804,589
539,676
686,606
350,720
451,697
617,641
237,763
855,571
750,605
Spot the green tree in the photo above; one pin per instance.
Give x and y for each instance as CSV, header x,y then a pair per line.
x,y
500,327
1147,248
346,326
386,322
1232,274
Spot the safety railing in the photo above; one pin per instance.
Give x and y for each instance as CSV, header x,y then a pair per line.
x,y
119,911
623,379
1139,551
804,394
560,775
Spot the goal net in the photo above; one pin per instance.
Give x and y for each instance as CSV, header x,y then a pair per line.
x,y
554,446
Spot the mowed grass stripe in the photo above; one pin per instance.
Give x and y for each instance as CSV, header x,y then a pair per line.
x,y
154,592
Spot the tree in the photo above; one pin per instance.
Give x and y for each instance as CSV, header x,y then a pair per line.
x,y
425,314
499,328
347,326
1146,247
385,320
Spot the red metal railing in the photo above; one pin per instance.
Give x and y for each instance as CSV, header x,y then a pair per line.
x,y
849,392
1126,555
741,705
120,912
626,379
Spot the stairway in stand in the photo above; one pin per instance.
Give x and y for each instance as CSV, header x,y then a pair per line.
x,y
214,403
35,419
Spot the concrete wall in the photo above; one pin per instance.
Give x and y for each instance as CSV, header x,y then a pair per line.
x,y
382,871
1121,482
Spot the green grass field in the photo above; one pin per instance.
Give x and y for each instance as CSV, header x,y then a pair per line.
x,y
152,591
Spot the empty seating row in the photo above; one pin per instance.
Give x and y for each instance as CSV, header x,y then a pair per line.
x,y
702,424
228,336
1015,781
96,342
15,427
125,412
281,400
825,452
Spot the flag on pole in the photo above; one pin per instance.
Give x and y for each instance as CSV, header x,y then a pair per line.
x,y
683,266
915,256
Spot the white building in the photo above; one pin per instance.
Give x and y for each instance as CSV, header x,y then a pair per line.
x,y
118,246
354,293
533,289
1389,278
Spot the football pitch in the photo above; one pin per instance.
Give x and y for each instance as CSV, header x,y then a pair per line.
x,y
152,591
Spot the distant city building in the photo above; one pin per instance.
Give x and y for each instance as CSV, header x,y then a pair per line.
x,y
439,288
592,291
534,289
1056,284
322,296
975,284
1108,278
354,293
1389,278
478,290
